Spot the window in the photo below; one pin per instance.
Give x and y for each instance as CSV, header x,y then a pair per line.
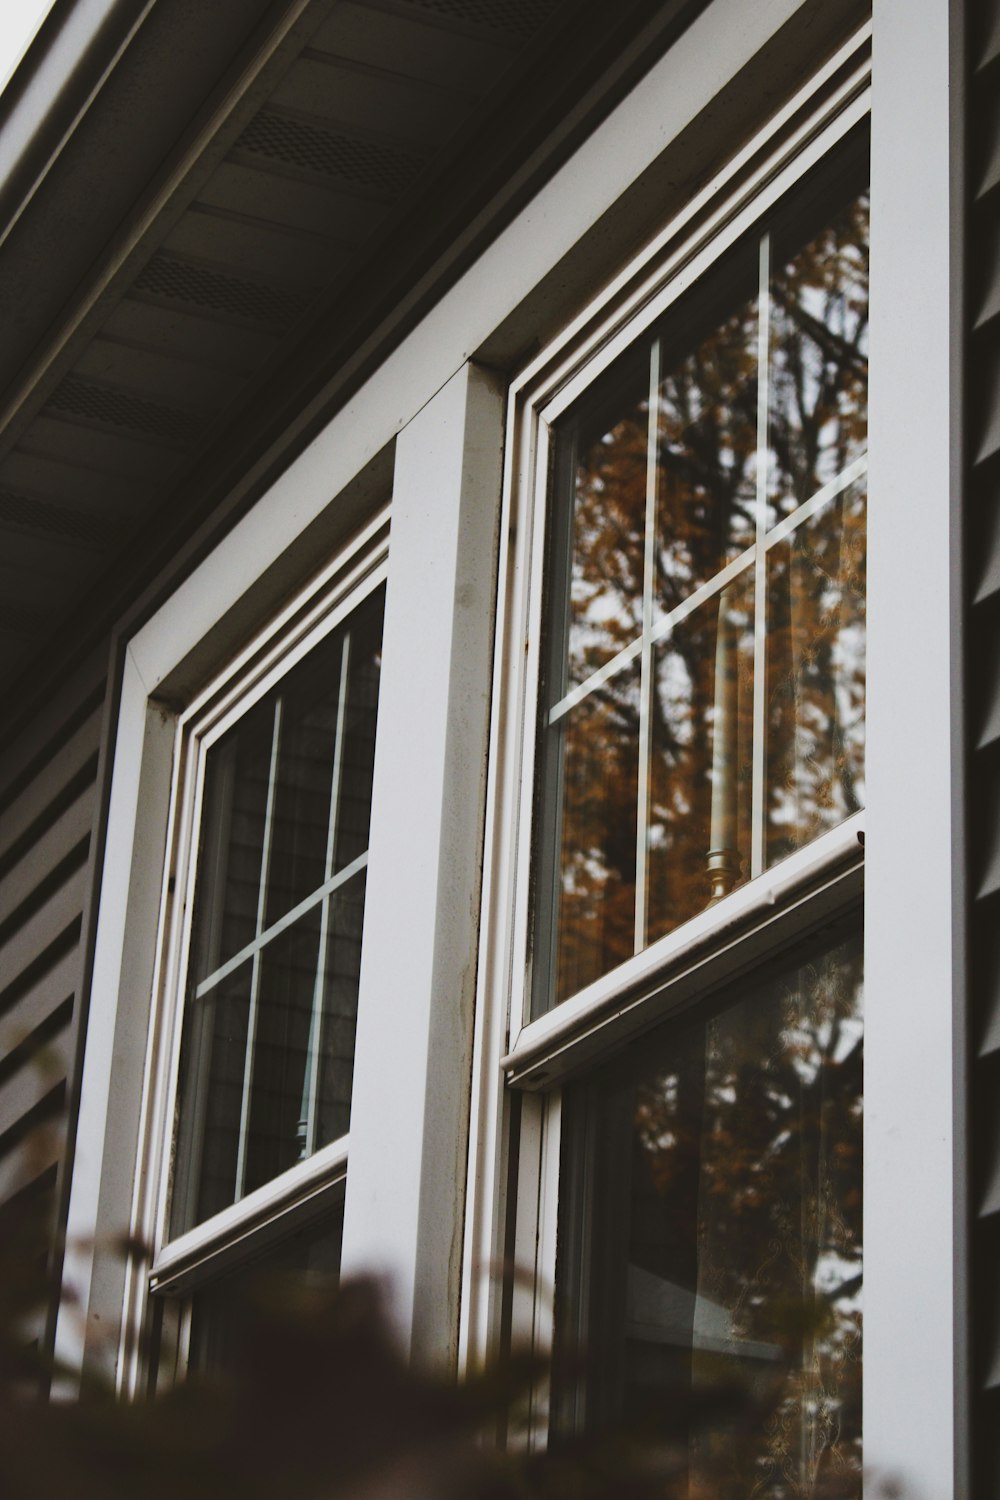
x,y
261,954
712,1203
272,967
704,693
687,501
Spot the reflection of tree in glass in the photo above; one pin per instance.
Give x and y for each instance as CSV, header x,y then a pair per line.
x,y
597,862
706,457
818,403
685,713
816,675
706,466
752,1145
818,380
608,524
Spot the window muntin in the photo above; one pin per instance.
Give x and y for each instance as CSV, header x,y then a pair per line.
x,y
710,1237
271,992
715,473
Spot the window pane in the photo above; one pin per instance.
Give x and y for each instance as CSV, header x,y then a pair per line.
x,y
354,804
232,838
601,457
816,674
340,1010
592,767
702,767
706,455
278,1122
818,379
213,1061
711,1239
300,818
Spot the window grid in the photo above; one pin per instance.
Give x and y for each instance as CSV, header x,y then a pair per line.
x,y
201,993
752,560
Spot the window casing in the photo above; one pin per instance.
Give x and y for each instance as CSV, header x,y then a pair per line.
x,y
782,885
247,1097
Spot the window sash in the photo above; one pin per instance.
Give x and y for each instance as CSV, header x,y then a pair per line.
x,y
549,395
179,1262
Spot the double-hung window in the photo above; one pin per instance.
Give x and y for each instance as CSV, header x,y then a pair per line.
x,y
689,488
249,1088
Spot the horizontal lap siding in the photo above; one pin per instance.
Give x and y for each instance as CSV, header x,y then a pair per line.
x,y
48,814
982,530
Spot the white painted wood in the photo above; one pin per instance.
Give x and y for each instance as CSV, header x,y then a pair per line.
x,y
104,1164
910,1228
404,1207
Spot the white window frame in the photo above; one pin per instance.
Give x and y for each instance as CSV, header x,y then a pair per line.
x,y
546,394
913,1130
177,1263
801,891
520,1063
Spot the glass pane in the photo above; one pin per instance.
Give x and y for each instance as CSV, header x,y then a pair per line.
x,y
340,1010
310,1257
300,818
818,393
707,432
231,839
213,1061
816,675
701,773
242,1124
354,806
601,460
592,760
279,1099
712,1264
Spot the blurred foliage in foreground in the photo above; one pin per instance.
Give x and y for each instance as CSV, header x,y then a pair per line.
x,y
317,1404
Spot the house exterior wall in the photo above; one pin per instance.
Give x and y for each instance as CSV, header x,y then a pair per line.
x,y
977,192
49,819
413,1211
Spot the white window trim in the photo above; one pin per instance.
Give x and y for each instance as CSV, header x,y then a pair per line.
x,y
176,1261
910,1381
327,601
801,890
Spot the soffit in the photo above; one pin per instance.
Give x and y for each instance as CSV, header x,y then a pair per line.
x,y
353,145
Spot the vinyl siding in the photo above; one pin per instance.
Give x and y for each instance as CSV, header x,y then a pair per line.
x,y
48,814
982,530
